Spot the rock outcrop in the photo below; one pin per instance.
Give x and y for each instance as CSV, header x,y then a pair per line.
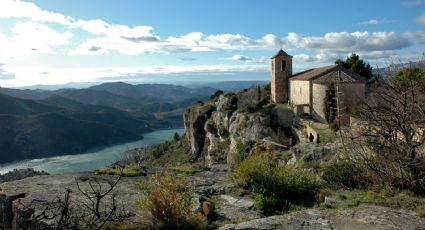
x,y
216,129
194,120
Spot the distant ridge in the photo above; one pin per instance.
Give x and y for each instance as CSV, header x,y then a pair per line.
x,y
34,129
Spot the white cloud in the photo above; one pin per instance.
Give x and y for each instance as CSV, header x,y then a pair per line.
x,y
39,36
341,42
113,37
247,59
21,9
132,34
304,58
4,74
31,38
141,39
228,42
421,19
417,37
371,22
185,43
239,57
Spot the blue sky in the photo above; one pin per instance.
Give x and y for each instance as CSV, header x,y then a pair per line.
x,y
58,42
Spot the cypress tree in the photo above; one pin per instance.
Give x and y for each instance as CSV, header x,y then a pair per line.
x,y
330,104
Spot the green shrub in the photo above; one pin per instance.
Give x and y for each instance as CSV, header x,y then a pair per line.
x,y
330,104
185,169
127,172
268,87
345,174
176,137
169,199
216,95
276,187
160,149
220,150
388,197
242,151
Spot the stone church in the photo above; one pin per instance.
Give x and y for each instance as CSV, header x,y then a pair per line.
x,y
306,90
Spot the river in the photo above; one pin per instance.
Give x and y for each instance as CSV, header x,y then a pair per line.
x,y
93,159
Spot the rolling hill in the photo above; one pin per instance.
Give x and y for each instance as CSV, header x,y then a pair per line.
x,y
34,129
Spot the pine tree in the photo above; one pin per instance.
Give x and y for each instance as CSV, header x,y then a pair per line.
x,y
357,65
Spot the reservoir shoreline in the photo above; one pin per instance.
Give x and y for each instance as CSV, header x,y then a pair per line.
x,y
94,158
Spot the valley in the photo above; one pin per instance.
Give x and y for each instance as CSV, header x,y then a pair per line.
x,y
40,123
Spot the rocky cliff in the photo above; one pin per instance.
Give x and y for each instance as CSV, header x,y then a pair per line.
x,y
221,128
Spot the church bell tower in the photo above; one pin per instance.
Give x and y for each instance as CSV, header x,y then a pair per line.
x,y
281,72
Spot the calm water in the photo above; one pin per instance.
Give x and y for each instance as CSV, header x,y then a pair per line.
x,y
93,159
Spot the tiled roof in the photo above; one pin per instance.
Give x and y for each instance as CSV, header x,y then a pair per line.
x,y
281,53
312,73
330,73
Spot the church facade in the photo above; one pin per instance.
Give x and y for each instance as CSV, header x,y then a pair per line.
x,y
306,90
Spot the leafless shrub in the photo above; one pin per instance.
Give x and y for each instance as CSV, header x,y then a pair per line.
x,y
94,208
390,138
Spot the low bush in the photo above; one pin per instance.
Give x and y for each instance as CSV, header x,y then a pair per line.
x,y
345,174
127,172
276,187
168,199
388,197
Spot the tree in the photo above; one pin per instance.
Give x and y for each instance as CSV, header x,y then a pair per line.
x,y
409,78
216,94
330,104
176,137
258,93
357,65
390,138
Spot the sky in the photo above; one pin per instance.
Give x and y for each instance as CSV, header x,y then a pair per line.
x,y
45,42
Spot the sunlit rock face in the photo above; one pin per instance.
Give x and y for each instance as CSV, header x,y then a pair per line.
x,y
217,128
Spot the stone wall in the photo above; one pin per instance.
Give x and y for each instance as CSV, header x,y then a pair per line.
x,y
349,94
300,92
319,94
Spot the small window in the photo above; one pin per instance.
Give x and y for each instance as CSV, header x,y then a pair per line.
x,y
283,65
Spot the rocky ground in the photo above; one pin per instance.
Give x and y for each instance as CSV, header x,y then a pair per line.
x,y
232,210
360,217
17,197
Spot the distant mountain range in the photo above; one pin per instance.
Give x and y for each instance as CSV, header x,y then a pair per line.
x,y
41,123
229,85
395,68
